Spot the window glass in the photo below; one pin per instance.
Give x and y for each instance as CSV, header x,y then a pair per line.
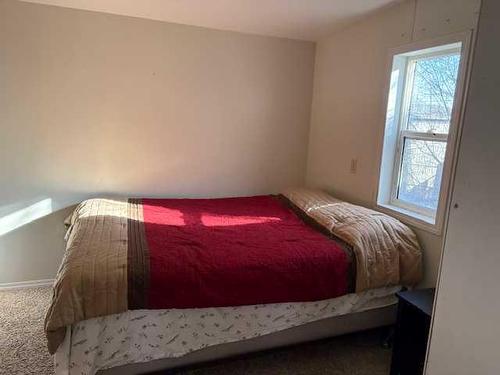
x,y
421,172
432,93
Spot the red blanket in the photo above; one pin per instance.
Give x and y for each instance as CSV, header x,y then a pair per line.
x,y
237,251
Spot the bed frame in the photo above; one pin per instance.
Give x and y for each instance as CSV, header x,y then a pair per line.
x,y
330,327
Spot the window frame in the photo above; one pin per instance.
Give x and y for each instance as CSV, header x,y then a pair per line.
x,y
386,199
404,133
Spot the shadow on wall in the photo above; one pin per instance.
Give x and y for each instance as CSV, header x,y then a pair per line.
x,y
26,232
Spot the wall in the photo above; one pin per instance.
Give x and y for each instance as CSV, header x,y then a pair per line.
x,y
465,335
348,110
96,104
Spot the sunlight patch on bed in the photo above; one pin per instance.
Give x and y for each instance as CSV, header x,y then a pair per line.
x,y
222,220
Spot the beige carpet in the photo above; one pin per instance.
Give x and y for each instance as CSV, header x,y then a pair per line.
x,y
22,347
22,342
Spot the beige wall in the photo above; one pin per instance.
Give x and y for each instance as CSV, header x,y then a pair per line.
x,y
348,110
94,104
465,336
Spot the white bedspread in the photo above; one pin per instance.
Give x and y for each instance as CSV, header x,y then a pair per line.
x,y
145,335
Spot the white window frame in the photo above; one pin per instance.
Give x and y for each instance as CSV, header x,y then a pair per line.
x,y
395,131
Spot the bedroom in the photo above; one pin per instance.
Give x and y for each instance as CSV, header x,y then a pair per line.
x,y
165,100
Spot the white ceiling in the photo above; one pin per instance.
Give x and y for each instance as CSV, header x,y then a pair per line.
x,y
296,19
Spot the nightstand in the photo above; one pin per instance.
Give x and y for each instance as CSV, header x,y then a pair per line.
x,y
412,331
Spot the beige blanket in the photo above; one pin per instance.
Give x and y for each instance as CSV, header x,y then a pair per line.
x,y
387,251
92,279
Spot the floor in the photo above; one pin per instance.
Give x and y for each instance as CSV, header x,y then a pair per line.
x,y
22,347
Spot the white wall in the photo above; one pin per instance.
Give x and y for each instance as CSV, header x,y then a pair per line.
x,y
94,104
465,336
348,110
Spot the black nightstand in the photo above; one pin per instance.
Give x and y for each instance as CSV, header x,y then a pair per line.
x,y
412,331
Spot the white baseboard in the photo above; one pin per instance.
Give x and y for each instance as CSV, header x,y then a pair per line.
x,y
26,284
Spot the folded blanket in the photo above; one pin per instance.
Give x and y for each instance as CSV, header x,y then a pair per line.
x,y
387,251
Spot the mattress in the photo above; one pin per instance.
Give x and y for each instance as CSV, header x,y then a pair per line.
x,y
139,336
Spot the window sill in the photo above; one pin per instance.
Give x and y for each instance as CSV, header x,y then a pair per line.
x,y
411,218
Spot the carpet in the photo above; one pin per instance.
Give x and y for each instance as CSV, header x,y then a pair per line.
x,y
23,349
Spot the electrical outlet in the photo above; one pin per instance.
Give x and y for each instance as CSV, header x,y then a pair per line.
x,y
354,166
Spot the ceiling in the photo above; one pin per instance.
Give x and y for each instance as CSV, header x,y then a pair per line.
x,y
296,19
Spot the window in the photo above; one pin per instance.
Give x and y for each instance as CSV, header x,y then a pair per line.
x,y
423,109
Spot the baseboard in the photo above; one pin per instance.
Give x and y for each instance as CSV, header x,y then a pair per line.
x,y
27,284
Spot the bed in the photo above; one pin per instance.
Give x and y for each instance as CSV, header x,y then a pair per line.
x,y
147,284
